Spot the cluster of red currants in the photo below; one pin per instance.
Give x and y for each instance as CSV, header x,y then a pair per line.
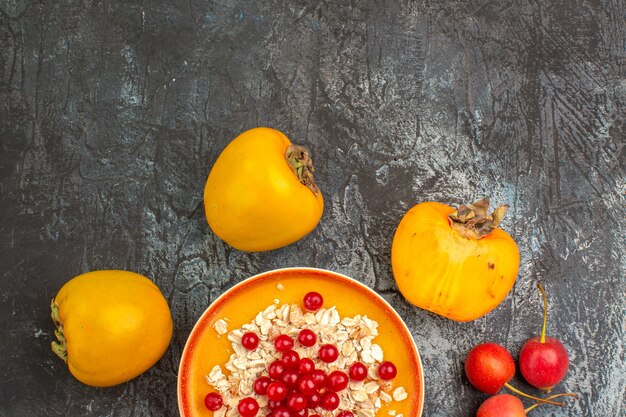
x,y
293,385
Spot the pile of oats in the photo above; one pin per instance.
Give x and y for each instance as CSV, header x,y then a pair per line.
x,y
351,335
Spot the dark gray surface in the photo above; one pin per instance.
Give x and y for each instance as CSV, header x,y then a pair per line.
x,y
111,116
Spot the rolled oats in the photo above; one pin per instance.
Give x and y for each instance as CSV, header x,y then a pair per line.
x,y
221,327
384,396
399,394
352,336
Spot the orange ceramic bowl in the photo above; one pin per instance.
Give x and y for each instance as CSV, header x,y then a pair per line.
x,y
240,304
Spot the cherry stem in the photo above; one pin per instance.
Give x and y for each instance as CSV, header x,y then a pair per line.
x,y
540,400
565,394
545,312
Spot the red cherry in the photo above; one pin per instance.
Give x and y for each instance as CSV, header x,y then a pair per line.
x,y
543,360
290,359
276,369
489,367
328,353
248,407
543,363
281,411
283,342
306,366
320,378
260,385
307,385
290,379
307,337
296,402
313,301
276,391
345,413
358,371
330,401
314,400
337,381
387,370
250,340
507,405
213,401
501,405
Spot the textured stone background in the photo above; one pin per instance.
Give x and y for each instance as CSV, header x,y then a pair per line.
x,y
112,113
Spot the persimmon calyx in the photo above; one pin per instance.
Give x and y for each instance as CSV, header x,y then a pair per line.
x,y
301,164
60,347
473,221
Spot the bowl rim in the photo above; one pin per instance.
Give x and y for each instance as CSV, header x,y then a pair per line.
x,y
247,281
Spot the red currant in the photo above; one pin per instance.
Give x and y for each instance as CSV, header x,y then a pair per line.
x,y
273,405
358,371
306,385
250,340
281,411
290,379
302,413
306,366
290,359
307,337
337,381
314,400
283,342
313,301
296,402
387,370
276,391
328,353
248,407
276,369
330,401
345,413
320,378
260,385
213,401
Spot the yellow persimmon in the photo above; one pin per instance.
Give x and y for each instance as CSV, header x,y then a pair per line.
x,y
260,194
456,263
111,326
